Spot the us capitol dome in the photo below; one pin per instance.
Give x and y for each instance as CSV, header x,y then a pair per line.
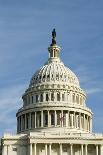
x,y
54,118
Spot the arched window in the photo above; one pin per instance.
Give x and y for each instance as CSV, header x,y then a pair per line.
x,y
41,98
81,100
62,97
28,99
52,96
73,98
77,99
37,98
58,96
32,99
47,97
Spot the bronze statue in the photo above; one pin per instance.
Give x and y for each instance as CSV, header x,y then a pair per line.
x,y
53,37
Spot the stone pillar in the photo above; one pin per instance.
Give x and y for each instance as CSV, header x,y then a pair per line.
x,y
90,124
96,149
101,149
82,149
71,149
72,120
4,150
31,153
80,120
34,148
30,120
25,122
49,149
45,149
84,121
87,124
35,119
86,151
42,118
21,123
55,118
61,151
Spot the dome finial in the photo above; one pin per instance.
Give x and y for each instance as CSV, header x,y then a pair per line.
x,y
53,37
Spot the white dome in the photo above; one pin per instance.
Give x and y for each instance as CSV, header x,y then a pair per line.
x,y
54,71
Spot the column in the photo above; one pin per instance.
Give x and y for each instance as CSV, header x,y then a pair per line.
x,y
55,118
87,124
96,149
21,123
45,149
25,122
80,120
4,150
30,120
48,119
34,148
42,118
101,149
35,119
61,149
71,149
84,121
82,149
90,124
18,123
49,149
74,120
31,149
86,149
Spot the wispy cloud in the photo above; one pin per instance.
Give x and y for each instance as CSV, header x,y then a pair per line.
x,y
94,90
9,104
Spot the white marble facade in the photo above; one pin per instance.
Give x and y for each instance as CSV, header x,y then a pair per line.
x,y
54,119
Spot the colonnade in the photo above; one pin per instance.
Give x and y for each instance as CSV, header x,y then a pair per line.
x,y
34,148
54,118
83,149
65,96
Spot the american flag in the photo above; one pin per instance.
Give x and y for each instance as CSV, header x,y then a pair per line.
x,y
62,118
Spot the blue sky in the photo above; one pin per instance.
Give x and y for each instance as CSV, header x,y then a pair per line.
x,y
25,34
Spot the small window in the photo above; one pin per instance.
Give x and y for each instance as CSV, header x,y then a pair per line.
x,y
32,99
81,100
48,76
47,97
37,98
41,98
77,99
14,149
73,98
43,76
58,96
52,96
62,97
